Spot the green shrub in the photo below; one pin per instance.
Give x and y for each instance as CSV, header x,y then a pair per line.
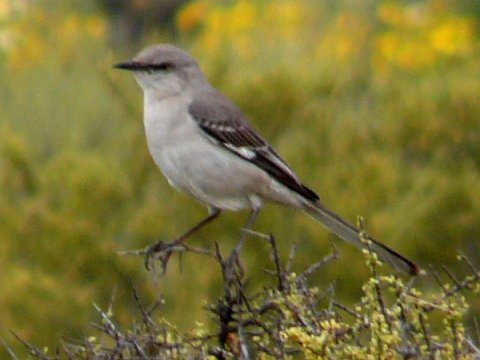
x,y
290,319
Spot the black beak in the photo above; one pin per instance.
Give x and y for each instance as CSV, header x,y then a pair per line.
x,y
128,65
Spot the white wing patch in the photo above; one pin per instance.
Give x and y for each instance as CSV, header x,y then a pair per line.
x,y
243,151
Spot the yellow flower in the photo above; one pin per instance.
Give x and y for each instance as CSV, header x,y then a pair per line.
x,y
5,9
241,17
414,55
69,28
452,36
192,15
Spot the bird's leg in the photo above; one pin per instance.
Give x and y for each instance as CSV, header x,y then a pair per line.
x,y
161,246
234,255
251,219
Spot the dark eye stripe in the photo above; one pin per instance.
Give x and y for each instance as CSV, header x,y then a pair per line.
x,y
161,66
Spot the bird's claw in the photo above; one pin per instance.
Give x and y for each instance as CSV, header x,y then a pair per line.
x,y
160,250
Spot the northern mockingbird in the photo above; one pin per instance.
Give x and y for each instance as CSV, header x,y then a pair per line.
x,y
204,146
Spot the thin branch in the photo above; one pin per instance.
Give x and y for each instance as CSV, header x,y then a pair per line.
x,y
291,255
276,260
317,265
34,351
9,350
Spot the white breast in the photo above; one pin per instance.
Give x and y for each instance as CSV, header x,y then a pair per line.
x,y
166,130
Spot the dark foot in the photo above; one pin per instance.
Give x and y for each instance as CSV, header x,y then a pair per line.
x,y
160,251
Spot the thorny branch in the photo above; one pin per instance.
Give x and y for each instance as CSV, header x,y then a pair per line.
x,y
284,318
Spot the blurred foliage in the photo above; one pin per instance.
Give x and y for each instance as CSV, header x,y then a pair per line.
x,y
129,21
374,104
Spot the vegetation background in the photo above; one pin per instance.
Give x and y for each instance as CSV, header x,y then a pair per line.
x,y
375,104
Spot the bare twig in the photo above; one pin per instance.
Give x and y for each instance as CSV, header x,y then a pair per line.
x,y
323,261
426,336
9,350
34,351
291,255
276,260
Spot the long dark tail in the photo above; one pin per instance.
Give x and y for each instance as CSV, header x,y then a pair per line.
x,y
350,234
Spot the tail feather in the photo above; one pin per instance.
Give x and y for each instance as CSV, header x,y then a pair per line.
x,y
350,234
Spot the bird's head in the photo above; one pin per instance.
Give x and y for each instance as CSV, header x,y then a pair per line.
x,y
163,69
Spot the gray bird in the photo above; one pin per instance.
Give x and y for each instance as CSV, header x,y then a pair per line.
x,y
204,146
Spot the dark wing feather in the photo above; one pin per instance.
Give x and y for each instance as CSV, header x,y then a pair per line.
x,y
223,122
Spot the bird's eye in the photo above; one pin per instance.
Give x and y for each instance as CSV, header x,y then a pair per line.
x,y
165,66
161,66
